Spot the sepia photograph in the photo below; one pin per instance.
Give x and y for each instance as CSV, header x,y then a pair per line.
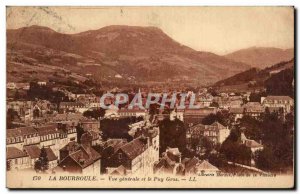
x,y
157,97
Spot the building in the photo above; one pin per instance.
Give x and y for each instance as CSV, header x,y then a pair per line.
x,y
253,145
137,156
205,100
195,116
41,108
135,112
69,130
194,166
90,124
23,108
215,132
226,102
285,102
112,112
83,159
120,171
169,163
42,83
95,137
177,114
33,151
132,157
71,118
68,149
50,137
22,136
16,159
65,107
237,113
108,149
11,85
253,109
23,86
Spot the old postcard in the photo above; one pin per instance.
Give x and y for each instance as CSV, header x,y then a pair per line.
x,y
150,97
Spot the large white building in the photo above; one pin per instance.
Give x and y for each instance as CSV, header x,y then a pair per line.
x,y
284,102
215,132
24,143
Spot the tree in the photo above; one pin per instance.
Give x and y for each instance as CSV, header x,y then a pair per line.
x,y
153,109
10,117
207,145
278,139
117,128
80,131
218,160
172,134
264,159
256,97
17,95
209,119
42,164
37,165
251,127
213,91
223,117
95,113
281,83
233,150
214,104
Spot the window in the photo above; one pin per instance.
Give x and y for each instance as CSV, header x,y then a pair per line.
x,y
120,156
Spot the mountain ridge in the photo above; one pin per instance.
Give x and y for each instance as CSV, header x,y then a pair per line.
x,y
256,77
261,57
142,53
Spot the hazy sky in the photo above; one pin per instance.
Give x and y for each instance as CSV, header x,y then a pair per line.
x,y
216,29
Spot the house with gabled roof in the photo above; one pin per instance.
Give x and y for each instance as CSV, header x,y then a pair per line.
x,y
253,109
169,163
137,156
216,132
119,171
33,151
195,166
16,159
84,160
237,113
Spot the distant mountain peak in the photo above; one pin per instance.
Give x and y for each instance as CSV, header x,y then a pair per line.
x,y
142,52
37,27
261,57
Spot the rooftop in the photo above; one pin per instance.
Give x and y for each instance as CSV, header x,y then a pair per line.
x,y
12,153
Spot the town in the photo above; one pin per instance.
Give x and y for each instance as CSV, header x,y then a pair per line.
x,y
56,130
